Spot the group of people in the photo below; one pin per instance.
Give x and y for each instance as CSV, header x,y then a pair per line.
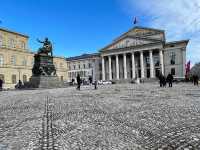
x,y
164,80
19,85
79,81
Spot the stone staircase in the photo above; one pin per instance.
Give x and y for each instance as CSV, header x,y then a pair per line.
x,y
124,81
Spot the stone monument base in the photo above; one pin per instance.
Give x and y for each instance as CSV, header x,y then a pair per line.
x,y
45,82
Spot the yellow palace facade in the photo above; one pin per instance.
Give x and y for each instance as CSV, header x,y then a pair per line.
x,y
16,59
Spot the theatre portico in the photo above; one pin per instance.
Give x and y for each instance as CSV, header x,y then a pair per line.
x,y
143,53
132,64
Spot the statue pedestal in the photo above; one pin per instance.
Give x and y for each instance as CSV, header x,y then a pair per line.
x,y
44,73
43,65
46,82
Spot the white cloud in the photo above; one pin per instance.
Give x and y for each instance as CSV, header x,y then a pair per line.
x,y
179,18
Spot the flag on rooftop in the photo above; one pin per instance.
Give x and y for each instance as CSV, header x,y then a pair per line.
x,y
135,20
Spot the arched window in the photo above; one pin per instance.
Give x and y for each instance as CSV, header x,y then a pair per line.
x,y
2,77
14,79
1,60
24,78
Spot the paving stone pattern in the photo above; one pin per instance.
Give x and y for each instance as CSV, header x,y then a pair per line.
x,y
114,117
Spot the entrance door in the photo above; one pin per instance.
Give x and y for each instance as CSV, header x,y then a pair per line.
x,y
157,72
148,73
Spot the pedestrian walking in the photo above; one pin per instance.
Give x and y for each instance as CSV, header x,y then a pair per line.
x,y
95,85
78,79
1,84
196,80
162,80
170,79
90,80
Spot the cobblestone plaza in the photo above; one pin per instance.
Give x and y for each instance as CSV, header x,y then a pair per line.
x,y
114,117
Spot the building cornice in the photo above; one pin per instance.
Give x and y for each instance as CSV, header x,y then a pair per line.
x,y
13,32
138,47
83,57
132,49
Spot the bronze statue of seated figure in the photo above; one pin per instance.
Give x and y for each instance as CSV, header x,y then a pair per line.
x,y
47,47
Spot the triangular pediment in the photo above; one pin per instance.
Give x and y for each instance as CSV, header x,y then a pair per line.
x,y
137,36
144,33
129,41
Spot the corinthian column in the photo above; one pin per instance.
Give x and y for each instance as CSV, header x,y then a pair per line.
x,y
103,69
110,68
133,65
151,64
117,67
125,70
161,62
142,64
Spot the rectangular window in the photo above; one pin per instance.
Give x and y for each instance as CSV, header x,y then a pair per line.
x,y
89,65
11,43
13,60
173,71
61,78
22,45
61,65
24,62
156,61
172,58
24,78
69,67
1,40
2,78
147,61
1,60
14,79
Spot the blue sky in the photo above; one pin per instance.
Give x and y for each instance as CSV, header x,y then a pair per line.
x,y
85,26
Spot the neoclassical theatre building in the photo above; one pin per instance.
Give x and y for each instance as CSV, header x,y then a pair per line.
x,y
139,53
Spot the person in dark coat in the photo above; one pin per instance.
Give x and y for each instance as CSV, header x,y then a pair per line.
x,y
170,79
162,80
196,79
90,79
1,84
95,85
78,79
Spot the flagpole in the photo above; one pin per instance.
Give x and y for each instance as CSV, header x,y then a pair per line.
x,y
135,21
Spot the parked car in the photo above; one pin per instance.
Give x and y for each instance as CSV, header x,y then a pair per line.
x,y
107,82
100,82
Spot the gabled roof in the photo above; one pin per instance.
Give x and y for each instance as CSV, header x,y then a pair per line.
x,y
133,37
142,37
139,27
